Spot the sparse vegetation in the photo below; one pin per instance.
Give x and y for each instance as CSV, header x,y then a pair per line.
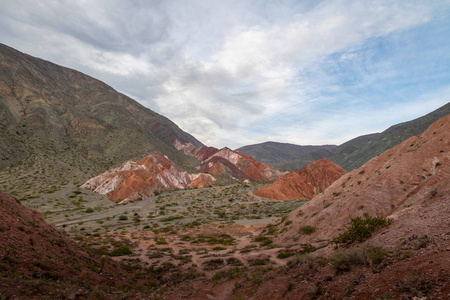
x,y
307,230
359,229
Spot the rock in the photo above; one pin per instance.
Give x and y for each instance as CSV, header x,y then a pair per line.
x,y
313,179
233,164
153,173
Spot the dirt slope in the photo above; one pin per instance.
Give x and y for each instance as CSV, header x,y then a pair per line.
x,y
37,259
313,179
399,182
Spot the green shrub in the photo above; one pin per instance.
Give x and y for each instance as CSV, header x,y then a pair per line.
x,y
263,240
282,255
307,229
89,210
359,229
374,257
121,250
342,261
213,264
123,218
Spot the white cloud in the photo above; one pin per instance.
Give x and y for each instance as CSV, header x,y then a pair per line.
x,y
237,72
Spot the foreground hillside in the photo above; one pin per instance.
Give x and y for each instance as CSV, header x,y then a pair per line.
x,y
59,126
37,259
403,180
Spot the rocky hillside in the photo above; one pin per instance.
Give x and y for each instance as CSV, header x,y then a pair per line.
x,y
228,163
313,179
59,125
410,184
37,259
145,177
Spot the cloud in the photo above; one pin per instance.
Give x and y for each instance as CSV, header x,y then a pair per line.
x,y
238,72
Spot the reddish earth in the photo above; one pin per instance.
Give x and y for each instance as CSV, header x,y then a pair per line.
x,y
153,173
399,184
313,179
226,162
37,259
410,184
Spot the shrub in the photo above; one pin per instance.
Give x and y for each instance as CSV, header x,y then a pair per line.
x,y
359,229
282,255
233,261
307,229
89,210
342,261
121,250
213,264
263,240
374,257
123,218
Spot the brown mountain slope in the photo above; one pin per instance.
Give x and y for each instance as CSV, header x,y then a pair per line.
x,y
400,184
37,259
153,173
59,125
313,179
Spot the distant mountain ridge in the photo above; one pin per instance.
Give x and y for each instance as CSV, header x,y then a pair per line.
x,y
349,155
59,125
274,152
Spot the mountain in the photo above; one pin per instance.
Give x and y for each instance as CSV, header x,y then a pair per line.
x,y
349,155
273,152
409,184
58,125
228,163
146,177
311,180
355,155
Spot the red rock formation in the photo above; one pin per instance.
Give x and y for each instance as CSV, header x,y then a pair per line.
x,y
409,183
202,181
313,179
226,162
143,178
220,166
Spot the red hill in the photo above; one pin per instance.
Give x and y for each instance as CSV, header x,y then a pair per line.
x,y
313,179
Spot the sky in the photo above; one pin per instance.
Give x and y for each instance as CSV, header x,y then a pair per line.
x,y
241,72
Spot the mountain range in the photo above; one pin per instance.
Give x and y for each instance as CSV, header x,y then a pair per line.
x,y
349,155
